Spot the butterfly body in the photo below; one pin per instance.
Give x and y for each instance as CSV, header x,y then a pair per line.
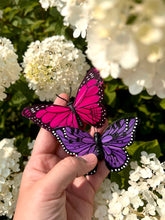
x,y
99,148
70,105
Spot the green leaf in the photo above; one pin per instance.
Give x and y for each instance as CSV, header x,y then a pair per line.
x,y
110,97
110,92
31,7
112,85
150,147
143,108
138,1
108,79
21,93
51,27
4,4
162,127
116,177
18,98
21,144
55,14
36,24
16,1
144,95
13,13
162,104
131,19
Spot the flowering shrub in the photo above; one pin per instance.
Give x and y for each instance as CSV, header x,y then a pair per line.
x,y
44,65
46,48
9,68
10,177
125,39
144,198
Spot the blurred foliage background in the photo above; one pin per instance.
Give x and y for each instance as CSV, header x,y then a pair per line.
x,y
23,22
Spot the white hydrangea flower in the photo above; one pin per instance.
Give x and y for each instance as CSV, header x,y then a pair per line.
x,y
134,175
53,66
148,75
146,218
131,217
101,212
131,50
53,3
136,202
124,200
144,199
150,209
10,177
133,164
9,67
31,144
75,12
161,208
146,158
146,173
135,50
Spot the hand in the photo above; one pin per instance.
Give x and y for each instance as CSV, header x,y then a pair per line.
x,y
53,186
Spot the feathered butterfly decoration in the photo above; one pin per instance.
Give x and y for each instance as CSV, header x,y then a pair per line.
x,y
109,146
78,111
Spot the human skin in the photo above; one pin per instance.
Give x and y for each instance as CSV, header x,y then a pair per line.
x,y
53,185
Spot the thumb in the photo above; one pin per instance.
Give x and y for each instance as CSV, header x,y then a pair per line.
x,y
64,172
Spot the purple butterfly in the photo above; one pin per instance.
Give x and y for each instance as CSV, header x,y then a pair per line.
x,y
78,111
109,146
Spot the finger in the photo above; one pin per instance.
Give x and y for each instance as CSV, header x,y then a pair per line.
x,y
97,179
66,171
45,141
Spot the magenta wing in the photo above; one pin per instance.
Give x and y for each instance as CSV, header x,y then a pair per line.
x,y
88,99
50,116
117,136
87,106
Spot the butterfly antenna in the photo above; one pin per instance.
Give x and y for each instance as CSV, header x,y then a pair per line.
x,y
70,92
62,98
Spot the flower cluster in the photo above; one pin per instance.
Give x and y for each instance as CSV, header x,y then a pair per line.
x,y
53,66
125,38
144,198
75,12
9,67
53,3
10,177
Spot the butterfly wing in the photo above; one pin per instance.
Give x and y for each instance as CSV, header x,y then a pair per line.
x,y
88,99
76,142
117,136
87,106
50,116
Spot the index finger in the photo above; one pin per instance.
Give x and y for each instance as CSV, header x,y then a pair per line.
x,y
45,142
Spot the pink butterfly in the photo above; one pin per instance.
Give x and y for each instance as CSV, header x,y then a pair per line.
x,y
85,108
